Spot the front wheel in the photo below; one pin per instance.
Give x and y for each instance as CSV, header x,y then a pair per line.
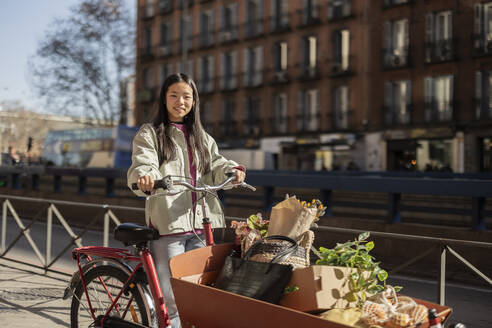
x,y
104,283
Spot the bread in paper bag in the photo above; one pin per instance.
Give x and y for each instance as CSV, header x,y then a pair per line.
x,y
289,218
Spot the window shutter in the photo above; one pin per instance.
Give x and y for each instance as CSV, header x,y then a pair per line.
x,y
246,68
429,28
305,12
330,9
451,96
211,77
222,18
211,26
387,37
234,20
478,19
300,110
388,102
199,75
284,12
337,47
259,15
478,94
346,8
449,26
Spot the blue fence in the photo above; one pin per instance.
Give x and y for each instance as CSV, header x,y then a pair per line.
x,y
477,187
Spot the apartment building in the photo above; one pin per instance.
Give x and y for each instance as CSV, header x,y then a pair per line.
x,y
329,84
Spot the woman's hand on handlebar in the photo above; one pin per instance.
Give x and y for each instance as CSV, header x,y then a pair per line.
x,y
240,176
146,184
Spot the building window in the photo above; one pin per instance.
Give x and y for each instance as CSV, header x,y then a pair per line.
x,y
228,22
280,15
341,107
438,95
207,115
205,74
309,56
439,36
280,52
165,6
280,112
185,33
309,12
397,102
149,8
396,40
148,77
251,124
207,28
254,20
147,42
228,125
341,51
165,71
338,9
228,70
307,110
483,92
165,44
482,40
253,66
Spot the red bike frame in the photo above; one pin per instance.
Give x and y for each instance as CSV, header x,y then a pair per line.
x,y
144,260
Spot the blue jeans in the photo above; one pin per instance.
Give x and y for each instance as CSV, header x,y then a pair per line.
x,y
162,250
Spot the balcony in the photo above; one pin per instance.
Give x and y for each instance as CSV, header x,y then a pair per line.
x,y
253,79
253,28
308,122
228,82
145,53
441,51
306,17
441,111
338,69
206,85
280,23
205,39
482,45
280,77
341,119
395,3
393,117
339,9
164,50
229,128
252,127
228,34
146,12
483,110
165,7
146,95
309,73
280,125
396,58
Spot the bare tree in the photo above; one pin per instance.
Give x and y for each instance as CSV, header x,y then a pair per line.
x,y
82,59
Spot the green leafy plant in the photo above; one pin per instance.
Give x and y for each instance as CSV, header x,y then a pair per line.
x,y
365,274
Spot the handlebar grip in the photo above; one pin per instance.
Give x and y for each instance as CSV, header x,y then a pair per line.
x,y
157,184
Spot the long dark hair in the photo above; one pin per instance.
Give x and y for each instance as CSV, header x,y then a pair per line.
x,y
166,147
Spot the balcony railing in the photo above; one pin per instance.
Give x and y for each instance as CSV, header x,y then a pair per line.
x,y
306,17
396,58
165,6
482,44
228,34
205,39
228,128
440,51
253,79
206,85
147,11
280,22
307,122
339,11
338,68
280,124
146,95
252,127
253,28
393,117
145,53
394,3
164,50
280,77
483,110
309,73
341,119
438,111
228,82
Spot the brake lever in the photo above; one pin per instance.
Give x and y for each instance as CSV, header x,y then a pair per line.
x,y
247,186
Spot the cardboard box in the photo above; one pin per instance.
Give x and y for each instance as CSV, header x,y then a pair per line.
x,y
321,288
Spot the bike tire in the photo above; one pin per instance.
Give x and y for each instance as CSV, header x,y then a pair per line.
x,y
114,279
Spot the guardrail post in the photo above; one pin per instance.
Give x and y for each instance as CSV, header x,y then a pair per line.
x,y
57,183
82,185
441,283
394,204
478,214
109,187
15,181
326,199
35,182
268,198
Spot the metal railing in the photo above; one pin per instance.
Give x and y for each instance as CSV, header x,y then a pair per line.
x,y
443,245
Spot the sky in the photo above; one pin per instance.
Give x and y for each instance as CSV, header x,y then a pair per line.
x,y
22,26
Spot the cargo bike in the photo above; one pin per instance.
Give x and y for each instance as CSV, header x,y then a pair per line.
x,y
119,287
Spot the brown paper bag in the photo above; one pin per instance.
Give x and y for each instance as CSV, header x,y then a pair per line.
x,y
289,218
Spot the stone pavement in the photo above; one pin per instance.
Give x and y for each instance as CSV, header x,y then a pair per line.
x,y
30,298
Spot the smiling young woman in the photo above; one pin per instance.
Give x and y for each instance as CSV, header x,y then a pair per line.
x,y
176,144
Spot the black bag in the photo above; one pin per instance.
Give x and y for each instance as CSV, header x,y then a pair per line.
x,y
260,280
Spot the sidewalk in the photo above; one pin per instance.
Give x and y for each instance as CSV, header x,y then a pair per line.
x,y
30,298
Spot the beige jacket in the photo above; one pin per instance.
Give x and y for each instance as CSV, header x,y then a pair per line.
x,y
174,214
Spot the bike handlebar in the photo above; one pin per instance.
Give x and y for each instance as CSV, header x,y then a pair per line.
x,y
167,182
